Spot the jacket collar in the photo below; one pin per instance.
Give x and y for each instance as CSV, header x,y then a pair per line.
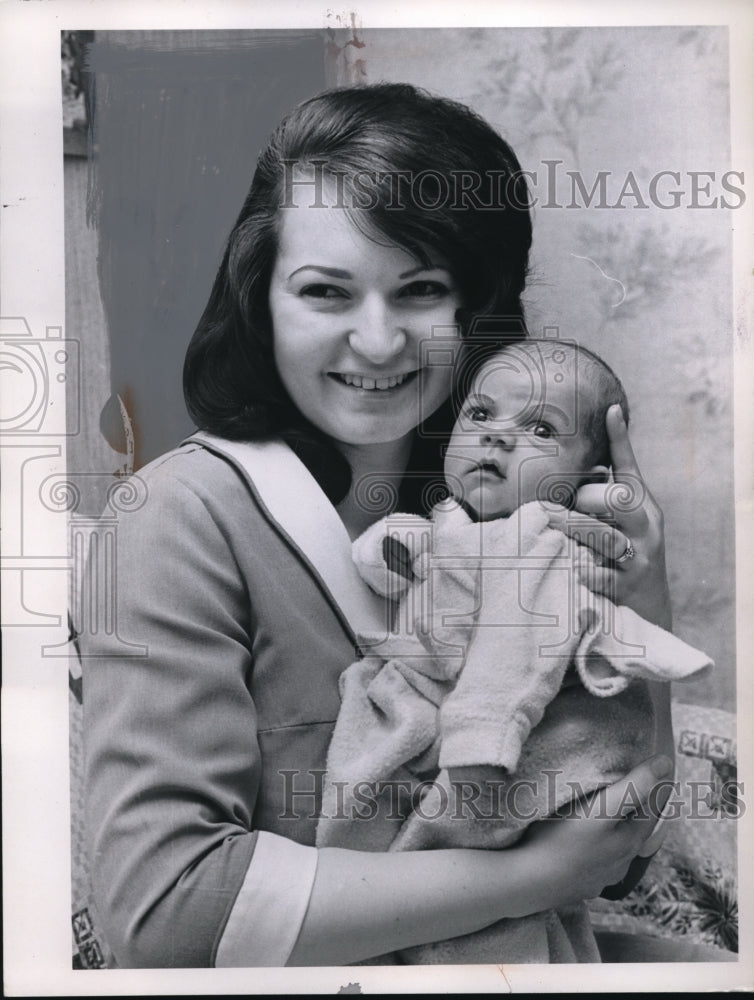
x,y
295,504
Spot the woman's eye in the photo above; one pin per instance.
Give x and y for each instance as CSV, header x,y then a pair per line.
x,y
425,290
321,291
543,431
478,414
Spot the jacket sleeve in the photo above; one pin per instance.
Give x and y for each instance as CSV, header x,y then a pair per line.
x,y
172,759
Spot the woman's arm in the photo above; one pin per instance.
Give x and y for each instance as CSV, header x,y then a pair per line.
x,y
608,516
172,761
364,905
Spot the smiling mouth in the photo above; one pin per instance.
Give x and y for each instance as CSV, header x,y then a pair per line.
x,y
376,384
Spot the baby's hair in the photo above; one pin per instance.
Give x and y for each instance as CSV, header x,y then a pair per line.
x,y
608,389
591,370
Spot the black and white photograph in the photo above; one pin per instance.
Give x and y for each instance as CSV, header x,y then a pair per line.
x,y
377,487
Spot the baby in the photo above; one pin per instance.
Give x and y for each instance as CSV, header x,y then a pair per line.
x,y
505,688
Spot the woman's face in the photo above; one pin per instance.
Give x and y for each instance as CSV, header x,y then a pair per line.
x,y
353,328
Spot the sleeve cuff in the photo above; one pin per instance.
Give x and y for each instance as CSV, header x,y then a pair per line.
x,y
266,917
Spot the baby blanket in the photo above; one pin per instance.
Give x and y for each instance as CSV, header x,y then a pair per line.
x,y
504,690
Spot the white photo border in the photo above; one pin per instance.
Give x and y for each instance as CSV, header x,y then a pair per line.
x,y
36,834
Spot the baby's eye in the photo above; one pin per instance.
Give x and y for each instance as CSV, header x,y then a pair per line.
x,y
478,414
322,291
543,431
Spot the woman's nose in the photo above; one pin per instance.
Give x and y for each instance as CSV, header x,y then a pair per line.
x,y
376,334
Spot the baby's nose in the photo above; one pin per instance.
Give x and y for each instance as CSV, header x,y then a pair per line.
x,y
502,437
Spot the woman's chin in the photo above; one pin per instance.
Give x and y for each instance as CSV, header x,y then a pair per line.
x,y
371,436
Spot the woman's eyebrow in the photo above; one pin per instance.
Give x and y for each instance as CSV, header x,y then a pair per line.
x,y
331,272
336,272
421,269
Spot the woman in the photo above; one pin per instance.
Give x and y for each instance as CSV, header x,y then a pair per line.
x,y
384,229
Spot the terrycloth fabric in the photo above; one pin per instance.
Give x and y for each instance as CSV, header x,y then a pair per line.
x,y
494,664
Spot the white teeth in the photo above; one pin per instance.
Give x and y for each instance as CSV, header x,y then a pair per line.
x,y
364,382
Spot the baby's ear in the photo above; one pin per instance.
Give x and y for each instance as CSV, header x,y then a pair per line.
x,y
597,474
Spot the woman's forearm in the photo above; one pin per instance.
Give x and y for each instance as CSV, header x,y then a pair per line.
x,y
363,904
369,904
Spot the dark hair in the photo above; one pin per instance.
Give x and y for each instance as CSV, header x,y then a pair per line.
x,y
472,205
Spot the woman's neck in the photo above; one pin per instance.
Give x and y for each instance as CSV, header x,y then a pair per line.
x,y
376,474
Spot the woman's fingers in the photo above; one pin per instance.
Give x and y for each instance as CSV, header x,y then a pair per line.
x,y
654,841
622,456
635,577
632,807
596,839
632,505
638,799
624,503
606,541
625,507
619,503
598,579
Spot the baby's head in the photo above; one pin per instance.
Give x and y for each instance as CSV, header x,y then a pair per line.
x,y
532,427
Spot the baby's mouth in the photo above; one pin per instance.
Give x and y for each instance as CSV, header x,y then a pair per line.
x,y
371,383
491,469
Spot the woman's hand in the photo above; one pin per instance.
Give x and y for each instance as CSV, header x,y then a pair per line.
x,y
371,903
593,846
622,524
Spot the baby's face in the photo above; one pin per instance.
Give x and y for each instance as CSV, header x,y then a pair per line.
x,y
517,436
